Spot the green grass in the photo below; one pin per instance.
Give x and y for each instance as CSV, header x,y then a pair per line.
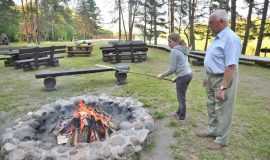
x,y
159,115
150,146
21,93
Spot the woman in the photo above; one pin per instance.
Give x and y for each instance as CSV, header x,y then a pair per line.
x,y
180,66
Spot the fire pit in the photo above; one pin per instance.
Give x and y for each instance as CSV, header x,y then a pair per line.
x,y
119,129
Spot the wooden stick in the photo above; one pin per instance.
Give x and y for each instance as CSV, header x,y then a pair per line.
x,y
149,75
103,66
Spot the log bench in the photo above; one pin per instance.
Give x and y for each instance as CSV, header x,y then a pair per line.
x,y
79,50
198,56
50,76
33,58
135,52
262,61
9,55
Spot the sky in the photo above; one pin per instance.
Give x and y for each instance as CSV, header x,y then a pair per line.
x,y
106,8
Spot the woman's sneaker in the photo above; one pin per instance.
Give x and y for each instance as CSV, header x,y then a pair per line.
x,y
177,119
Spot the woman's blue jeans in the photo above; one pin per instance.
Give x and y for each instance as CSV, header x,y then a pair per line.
x,y
181,89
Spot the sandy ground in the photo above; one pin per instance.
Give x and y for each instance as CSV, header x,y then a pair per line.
x,y
162,139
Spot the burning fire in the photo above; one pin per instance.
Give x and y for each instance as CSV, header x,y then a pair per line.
x,y
87,125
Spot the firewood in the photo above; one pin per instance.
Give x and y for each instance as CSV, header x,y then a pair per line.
x,y
88,124
97,135
74,139
107,133
62,139
113,127
83,137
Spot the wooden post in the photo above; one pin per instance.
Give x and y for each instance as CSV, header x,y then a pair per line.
x,y
118,60
51,63
132,52
36,55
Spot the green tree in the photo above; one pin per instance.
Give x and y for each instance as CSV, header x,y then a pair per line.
x,y
87,18
9,19
55,20
181,13
156,14
152,19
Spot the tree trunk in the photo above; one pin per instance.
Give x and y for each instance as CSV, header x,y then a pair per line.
x,y
206,39
155,24
27,8
192,6
132,18
180,20
227,6
25,21
130,11
53,37
248,26
124,24
119,29
233,14
186,34
144,28
179,26
260,37
151,30
171,15
37,23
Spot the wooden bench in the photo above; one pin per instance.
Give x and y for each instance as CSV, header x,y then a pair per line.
x,y
196,56
9,54
79,50
262,61
265,50
50,76
136,52
199,56
30,59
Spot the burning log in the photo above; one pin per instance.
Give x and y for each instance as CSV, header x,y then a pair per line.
x,y
88,124
75,132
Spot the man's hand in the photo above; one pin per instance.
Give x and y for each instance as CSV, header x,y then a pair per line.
x,y
220,95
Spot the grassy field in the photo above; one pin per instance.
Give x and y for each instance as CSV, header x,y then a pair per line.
x,y
21,93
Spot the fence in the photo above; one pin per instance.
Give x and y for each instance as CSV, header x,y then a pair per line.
x,y
111,36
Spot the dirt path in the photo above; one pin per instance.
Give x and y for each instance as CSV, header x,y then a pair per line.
x,y
162,139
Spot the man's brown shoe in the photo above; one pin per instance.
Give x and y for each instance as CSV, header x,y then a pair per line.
x,y
203,134
215,146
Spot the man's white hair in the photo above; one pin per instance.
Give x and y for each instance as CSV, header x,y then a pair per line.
x,y
220,14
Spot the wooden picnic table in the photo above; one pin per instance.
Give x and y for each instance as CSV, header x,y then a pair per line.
x,y
84,50
136,52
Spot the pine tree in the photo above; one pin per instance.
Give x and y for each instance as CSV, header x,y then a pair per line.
x,y
87,18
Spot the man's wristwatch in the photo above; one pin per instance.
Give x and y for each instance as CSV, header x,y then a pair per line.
x,y
222,87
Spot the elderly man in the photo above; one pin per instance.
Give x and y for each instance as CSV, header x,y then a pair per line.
x,y
221,66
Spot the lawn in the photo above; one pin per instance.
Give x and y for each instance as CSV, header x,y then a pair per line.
x,y
21,93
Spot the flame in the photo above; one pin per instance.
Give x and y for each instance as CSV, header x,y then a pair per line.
x,y
84,112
